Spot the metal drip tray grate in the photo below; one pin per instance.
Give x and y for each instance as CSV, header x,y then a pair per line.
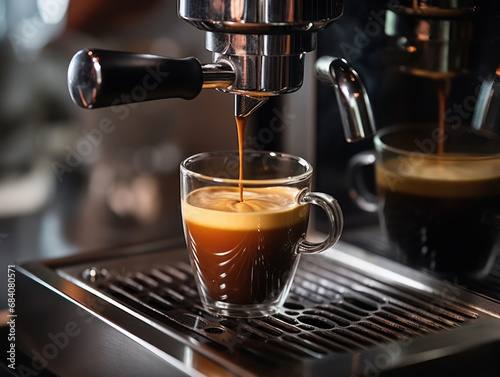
x,y
330,309
343,304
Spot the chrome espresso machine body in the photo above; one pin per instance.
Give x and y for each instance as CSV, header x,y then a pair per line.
x,y
351,312
258,52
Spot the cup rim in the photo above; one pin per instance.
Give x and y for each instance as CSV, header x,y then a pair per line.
x,y
248,182
380,145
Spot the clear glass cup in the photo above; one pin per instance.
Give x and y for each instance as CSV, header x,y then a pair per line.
x,y
439,210
244,254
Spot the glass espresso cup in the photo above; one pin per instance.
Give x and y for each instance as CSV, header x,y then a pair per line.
x,y
244,253
439,210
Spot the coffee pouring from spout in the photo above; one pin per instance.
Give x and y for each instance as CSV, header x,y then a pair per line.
x,y
257,52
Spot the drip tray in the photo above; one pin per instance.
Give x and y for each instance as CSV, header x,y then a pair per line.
x,y
350,312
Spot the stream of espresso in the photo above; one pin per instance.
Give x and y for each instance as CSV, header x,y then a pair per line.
x,y
443,89
241,123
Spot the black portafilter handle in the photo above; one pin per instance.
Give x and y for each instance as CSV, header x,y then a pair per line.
x,y
100,78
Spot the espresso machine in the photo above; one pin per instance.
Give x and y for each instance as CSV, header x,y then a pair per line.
x,y
351,311
258,52
403,51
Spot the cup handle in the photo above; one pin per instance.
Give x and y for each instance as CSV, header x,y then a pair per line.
x,y
359,192
335,219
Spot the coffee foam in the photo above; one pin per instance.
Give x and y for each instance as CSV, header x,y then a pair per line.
x,y
441,177
262,208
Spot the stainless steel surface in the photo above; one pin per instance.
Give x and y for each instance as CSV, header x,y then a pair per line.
x,y
259,44
258,50
260,17
486,119
246,105
354,105
264,41
347,309
265,65
84,78
217,75
434,37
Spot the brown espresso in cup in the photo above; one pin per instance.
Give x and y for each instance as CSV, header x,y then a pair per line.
x,y
439,213
244,252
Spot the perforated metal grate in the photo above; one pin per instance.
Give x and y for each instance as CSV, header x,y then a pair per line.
x,y
331,309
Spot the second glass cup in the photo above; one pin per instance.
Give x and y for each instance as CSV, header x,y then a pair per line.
x,y
440,210
244,253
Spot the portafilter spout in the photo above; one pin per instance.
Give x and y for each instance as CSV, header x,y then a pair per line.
x,y
246,105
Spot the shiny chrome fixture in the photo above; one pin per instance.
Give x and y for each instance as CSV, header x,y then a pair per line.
x,y
258,49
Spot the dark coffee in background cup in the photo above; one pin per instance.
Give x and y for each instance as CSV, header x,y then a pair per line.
x,y
441,214
438,196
